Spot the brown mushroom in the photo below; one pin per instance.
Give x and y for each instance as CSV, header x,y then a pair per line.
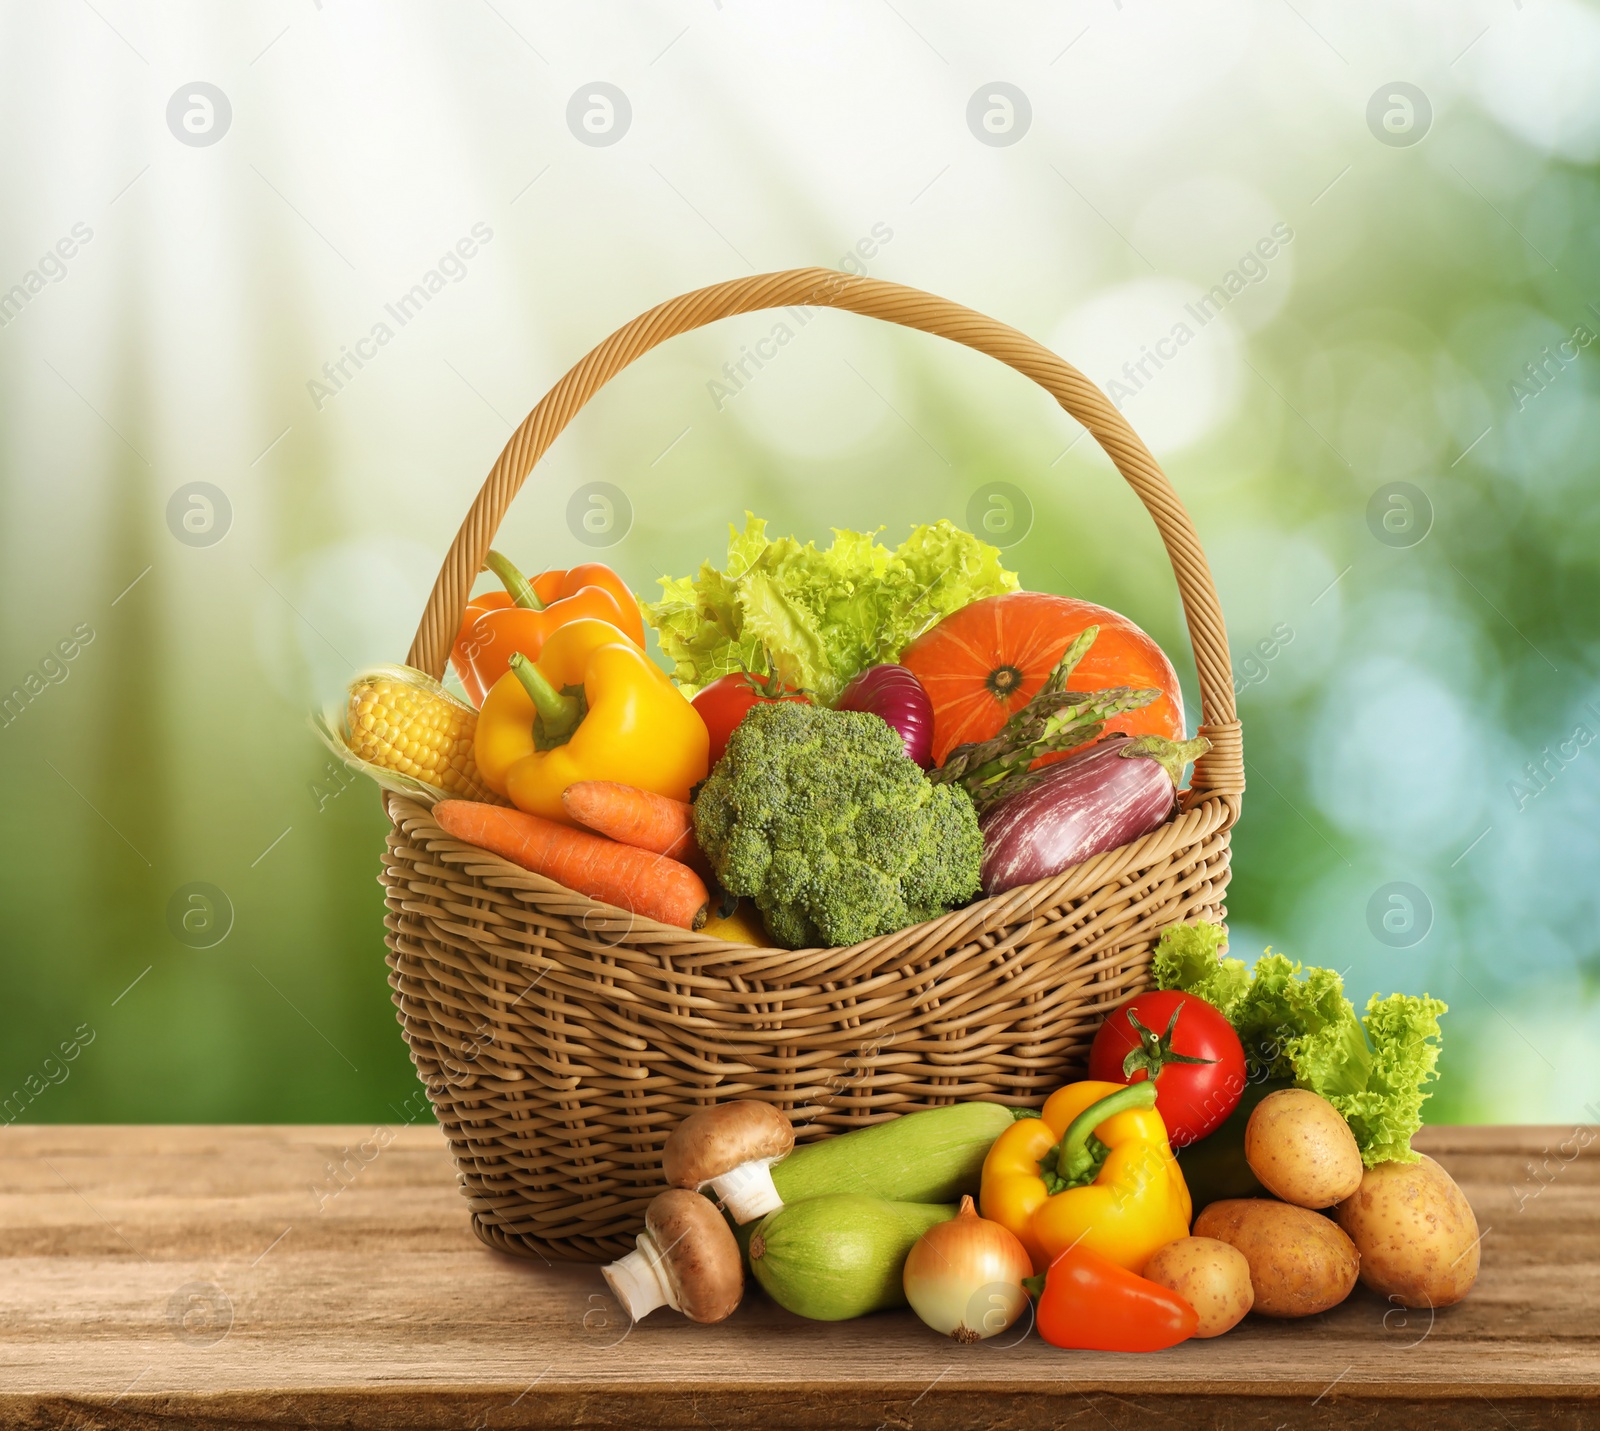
x,y
731,1146
686,1259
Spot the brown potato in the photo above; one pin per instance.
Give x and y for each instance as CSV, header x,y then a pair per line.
x,y
1300,1262
1416,1233
1299,1146
1210,1276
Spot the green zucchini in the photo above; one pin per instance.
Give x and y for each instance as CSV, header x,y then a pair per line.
x,y
840,1255
932,1156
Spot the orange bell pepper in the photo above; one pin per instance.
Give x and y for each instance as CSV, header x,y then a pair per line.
x,y
499,624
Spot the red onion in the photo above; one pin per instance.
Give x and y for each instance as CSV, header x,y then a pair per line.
x,y
893,693
1082,806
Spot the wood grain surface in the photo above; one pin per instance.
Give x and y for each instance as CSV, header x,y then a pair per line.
x,y
310,1276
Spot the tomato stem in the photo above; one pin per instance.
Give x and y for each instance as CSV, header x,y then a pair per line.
x,y
1155,1050
771,686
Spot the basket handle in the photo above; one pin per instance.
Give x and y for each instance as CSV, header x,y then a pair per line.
x,y
1220,771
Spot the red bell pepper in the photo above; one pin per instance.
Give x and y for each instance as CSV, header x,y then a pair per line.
x,y
1088,1303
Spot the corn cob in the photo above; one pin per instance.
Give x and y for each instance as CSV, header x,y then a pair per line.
x,y
414,730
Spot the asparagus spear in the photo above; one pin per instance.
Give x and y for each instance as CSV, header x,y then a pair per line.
x,y
1055,719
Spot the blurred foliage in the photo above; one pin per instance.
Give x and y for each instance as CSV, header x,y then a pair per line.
x,y
1418,701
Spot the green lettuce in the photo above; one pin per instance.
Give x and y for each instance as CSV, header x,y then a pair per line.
x,y
821,616
1296,1023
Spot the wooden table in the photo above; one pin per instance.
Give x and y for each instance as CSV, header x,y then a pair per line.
x,y
327,1276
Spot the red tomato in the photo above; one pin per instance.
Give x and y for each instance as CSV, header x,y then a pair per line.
x,y
723,704
1193,1052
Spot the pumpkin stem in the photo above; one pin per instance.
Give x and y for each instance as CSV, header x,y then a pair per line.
x,y
1003,681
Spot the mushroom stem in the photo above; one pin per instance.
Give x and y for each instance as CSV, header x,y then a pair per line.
x,y
747,1191
730,1148
639,1280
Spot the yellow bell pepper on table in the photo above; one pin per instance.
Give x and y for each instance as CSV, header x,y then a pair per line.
x,y
592,707
1095,1168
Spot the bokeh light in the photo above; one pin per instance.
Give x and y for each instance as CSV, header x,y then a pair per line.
x,y
1438,642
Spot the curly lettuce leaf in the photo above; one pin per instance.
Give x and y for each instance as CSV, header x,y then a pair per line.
x,y
820,615
699,625
1404,1033
784,628
1281,1012
1189,957
1296,1022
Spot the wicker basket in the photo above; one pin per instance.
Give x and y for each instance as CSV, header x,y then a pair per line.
x,y
562,1039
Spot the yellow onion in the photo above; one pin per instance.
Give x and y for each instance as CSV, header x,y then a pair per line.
x,y
964,1277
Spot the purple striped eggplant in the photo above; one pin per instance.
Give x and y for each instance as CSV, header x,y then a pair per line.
x,y
1114,792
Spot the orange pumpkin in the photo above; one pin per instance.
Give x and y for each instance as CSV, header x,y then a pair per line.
x,y
987,660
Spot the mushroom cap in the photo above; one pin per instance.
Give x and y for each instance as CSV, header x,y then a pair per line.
x,y
699,1254
715,1140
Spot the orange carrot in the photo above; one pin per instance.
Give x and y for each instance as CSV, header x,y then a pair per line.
x,y
657,823
632,879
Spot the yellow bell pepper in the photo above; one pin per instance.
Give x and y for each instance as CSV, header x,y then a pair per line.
x,y
593,707
1094,1168
743,926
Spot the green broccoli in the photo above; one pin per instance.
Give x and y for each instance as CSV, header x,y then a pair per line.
x,y
819,817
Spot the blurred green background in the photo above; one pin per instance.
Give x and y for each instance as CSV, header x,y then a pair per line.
x,y
1383,424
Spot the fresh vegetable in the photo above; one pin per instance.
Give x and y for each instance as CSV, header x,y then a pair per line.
x,y
593,707
642,883
983,662
821,615
1094,1168
1302,1150
1210,1276
1185,1041
636,817
726,701
1216,1167
1416,1234
1101,798
1087,1302
409,733
839,1256
730,1148
1296,1023
499,624
1300,1262
895,695
686,1259
932,1156
819,818
1054,721
964,1277
742,926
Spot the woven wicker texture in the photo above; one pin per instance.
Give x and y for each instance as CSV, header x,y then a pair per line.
x,y
561,1039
